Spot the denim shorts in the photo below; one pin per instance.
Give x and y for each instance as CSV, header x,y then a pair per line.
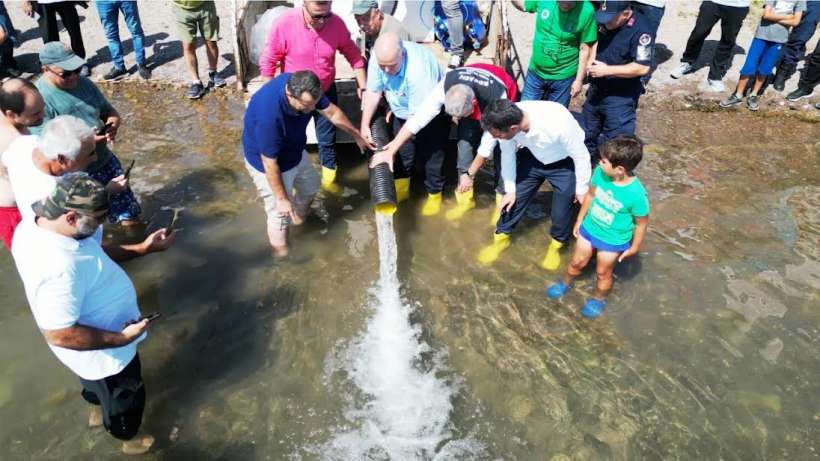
x,y
599,244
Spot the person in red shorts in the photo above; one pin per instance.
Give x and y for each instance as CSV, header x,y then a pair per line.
x,y
22,107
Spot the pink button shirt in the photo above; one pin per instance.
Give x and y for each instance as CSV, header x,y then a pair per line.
x,y
294,46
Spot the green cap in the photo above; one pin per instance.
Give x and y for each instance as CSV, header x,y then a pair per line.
x,y
363,6
57,54
74,192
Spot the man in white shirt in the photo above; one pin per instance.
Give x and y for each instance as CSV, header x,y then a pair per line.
x,y
84,303
553,150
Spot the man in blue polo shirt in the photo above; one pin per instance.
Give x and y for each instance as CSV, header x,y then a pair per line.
x,y
623,55
274,140
406,73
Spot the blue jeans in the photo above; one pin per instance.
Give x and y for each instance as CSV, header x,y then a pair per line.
x,y
530,175
326,132
795,48
537,88
761,58
605,117
109,16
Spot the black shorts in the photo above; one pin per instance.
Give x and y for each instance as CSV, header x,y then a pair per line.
x,y
122,397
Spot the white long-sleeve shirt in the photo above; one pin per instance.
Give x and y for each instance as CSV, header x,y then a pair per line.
x,y
553,136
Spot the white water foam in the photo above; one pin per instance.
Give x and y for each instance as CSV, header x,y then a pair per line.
x,y
407,404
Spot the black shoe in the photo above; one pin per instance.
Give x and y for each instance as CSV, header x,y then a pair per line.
x,y
779,83
12,72
798,94
144,72
114,74
196,91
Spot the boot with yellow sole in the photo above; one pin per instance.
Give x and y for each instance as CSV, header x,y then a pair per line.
x,y
464,203
491,252
328,181
432,206
552,260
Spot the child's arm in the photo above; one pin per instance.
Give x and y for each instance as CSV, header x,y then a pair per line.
x,y
788,20
641,223
584,208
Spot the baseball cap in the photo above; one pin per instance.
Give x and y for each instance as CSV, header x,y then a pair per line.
x,y
74,192
57,54
609,10
363,6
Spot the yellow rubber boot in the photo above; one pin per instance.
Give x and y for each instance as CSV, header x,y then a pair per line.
x,y
432,206
496,212
328,181
402,189
464,203
553,258
491,252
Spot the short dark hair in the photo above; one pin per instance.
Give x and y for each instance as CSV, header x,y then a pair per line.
x,y
500,115
304,81
624,150
13,95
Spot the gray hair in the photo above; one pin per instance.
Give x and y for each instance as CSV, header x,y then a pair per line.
x,y
64,136
458,102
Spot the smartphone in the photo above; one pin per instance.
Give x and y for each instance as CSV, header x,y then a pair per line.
x,y
149,317
128,169
172,225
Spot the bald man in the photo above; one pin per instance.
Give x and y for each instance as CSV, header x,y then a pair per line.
x,y
21,106
405,73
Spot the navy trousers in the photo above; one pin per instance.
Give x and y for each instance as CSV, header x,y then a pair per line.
x,y
326,132
795,49
605,117
531,174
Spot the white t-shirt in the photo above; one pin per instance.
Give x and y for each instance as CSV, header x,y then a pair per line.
x,y
28,182
553,136
68,282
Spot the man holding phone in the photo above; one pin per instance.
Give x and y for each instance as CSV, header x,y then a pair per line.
x,y
85,304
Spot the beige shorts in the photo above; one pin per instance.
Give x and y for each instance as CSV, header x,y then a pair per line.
x,y
202,19
301,182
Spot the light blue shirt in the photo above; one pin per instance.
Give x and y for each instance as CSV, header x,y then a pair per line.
x,y
406,91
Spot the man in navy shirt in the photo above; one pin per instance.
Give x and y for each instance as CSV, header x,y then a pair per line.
x,y
274,140
623,55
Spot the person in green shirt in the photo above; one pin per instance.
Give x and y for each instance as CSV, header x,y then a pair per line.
x,y
613,220
65,92
564,34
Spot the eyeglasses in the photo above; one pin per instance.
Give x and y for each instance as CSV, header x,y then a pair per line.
x,y
65,73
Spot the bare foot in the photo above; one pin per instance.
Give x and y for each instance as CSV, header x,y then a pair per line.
x,y
95,418
280,252
138,445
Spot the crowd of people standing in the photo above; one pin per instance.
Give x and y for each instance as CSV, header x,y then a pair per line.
x,y
60,179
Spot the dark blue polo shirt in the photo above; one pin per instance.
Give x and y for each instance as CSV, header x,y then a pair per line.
x,y
273,129
632,42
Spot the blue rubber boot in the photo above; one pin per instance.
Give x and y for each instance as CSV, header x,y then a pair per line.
x,y
556,290
593,308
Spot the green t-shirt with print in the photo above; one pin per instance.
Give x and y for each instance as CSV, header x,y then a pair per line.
x,y
558,37
611,216
85,102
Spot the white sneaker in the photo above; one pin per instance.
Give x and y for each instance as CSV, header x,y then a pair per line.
x,y
683,69
455,61
716,85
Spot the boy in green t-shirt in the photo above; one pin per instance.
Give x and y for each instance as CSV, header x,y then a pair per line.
x,y
613,220
564,34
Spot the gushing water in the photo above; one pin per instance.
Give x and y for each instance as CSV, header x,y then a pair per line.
x,y
404,413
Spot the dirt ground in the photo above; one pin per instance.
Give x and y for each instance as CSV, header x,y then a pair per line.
x,y
164,50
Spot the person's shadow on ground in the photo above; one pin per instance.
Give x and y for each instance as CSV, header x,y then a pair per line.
x,y
707,52
103,54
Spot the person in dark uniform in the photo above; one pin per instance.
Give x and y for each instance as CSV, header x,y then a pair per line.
x,y
622,56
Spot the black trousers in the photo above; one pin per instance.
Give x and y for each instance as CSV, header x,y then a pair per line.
x,y
811,76
71,21
122,397
426,148
731,19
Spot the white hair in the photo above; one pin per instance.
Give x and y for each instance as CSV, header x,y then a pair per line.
x,y
64,135
458,102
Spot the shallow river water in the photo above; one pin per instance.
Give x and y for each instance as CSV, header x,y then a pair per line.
x,y
708,349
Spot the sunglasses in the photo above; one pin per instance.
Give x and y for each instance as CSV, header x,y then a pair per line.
x,y
65,73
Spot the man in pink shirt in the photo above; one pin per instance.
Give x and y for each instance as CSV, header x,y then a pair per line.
x,y
307,38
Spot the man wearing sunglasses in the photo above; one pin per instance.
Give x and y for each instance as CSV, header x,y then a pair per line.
x,y
308,38
67,93
85,305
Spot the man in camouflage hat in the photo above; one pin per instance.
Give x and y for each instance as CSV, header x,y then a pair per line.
x,y
85,305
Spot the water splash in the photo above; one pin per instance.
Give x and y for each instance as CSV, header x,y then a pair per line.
x,y
404,412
